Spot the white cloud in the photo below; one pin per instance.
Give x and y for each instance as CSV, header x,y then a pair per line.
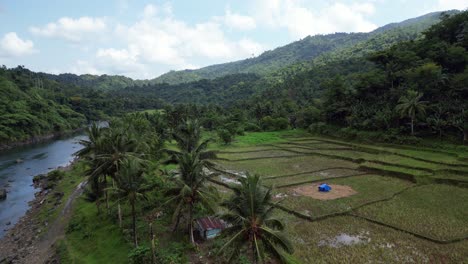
x,y
237,21
301,20
451,4
120,61
84,67
13,46
158,40
71,29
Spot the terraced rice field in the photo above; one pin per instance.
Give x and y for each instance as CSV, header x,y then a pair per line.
x,y
403,204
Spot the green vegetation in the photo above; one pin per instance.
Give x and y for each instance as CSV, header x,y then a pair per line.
x,y
27,110
153,172
92,238
250,210
431,210
190,188
368,188
64,183
312,49
400,206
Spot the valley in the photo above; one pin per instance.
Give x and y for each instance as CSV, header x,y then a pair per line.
x,y
344,147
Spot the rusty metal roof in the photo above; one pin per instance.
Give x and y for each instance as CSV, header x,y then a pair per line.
x,y
208,223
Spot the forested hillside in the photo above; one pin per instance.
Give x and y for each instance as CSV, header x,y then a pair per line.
x,y
33,105
413,88
27,109
324,48
222,91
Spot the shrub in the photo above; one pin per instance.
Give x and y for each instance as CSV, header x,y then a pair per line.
x,y
225,136
140,255
269,123
252,127
318,128
174,253
55,175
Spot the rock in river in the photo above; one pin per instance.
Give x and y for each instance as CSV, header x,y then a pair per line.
x,y
3,194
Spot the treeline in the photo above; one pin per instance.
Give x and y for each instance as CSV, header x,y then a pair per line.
x,y
416,88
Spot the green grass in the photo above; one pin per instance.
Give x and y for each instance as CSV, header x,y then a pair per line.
x,y
409,209
321,175
396,169
92,238
258,138
66,185
249,155
275,167
369,188
439,211
382,244
450,156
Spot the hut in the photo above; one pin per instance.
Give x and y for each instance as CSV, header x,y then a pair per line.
x,y
209,227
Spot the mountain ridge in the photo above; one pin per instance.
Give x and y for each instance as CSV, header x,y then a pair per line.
x,y
298,54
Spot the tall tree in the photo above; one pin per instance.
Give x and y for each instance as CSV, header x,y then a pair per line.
x,y
251,222
411,106
92,147
130,186
190,184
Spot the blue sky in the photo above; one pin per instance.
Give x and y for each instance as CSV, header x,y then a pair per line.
x,y
143,39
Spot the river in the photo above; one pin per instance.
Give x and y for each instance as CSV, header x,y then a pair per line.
x,y
19,165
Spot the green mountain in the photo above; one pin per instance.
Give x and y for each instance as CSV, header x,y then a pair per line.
x,y
296,56
316,49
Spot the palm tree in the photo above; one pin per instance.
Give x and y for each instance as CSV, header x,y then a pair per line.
x,y
190,188
92,147
130,186
411,106
250,217
117,146
188,135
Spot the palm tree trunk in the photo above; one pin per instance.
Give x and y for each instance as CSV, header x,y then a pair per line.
x,y
106,194
153,246
98,206
119,210
412,126
192,240
176,225
135,241
254,258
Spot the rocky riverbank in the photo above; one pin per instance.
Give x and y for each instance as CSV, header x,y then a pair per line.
x,y
24,239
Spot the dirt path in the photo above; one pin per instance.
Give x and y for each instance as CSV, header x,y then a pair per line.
x,y
44,250
22,245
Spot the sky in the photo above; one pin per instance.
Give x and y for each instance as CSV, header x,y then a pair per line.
x,y
143,39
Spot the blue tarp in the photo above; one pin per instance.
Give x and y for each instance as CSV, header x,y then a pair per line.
x,y
324,187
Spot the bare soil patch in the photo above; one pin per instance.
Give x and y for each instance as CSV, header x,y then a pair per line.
x,y
337,191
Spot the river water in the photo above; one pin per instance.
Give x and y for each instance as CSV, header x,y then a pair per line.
x,y
19,165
